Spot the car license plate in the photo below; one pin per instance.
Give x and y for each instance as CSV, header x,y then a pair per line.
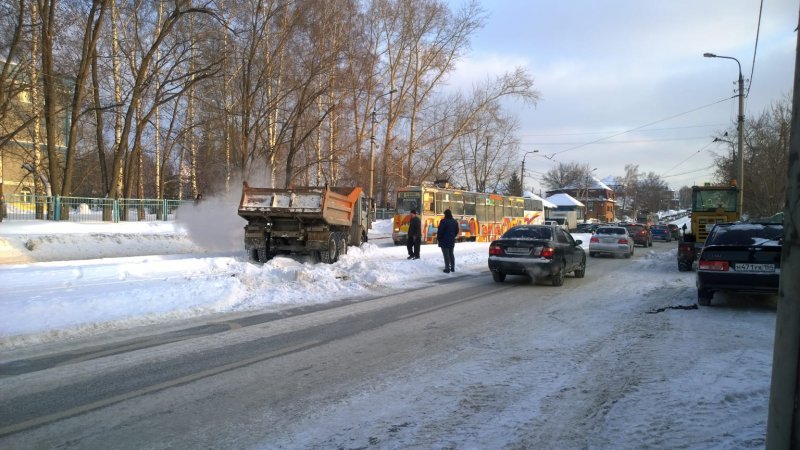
x,y
518,250
750,267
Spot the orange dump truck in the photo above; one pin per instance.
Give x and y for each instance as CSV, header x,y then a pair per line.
x,y
318,221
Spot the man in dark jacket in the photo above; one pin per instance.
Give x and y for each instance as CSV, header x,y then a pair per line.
x,y
414,236
446,235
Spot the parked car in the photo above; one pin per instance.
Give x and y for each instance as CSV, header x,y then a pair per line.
x,y
675,231
538,252
740,257
611,240
661,233
556,223
640,234
588,227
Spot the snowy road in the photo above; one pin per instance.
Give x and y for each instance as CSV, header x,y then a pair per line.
x,y
619,359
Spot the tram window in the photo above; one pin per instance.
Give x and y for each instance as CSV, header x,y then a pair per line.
x,y
442,202
469,204
528,204
428,203
457,204
499,209
480,208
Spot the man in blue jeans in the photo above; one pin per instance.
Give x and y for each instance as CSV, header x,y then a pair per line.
x,y
446,235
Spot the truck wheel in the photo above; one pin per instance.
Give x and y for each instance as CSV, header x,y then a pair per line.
x,y
341,244
329,255
683,266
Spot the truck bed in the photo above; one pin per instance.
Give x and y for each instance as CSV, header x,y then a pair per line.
x,y
332,205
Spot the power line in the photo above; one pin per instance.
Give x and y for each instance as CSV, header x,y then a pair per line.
x,y
691,171
634,141
640,127
606,131
687,158
755,49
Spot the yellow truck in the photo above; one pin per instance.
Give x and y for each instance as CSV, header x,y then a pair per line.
x,y
711,204
317,221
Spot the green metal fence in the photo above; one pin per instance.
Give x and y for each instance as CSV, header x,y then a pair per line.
x,y
87,209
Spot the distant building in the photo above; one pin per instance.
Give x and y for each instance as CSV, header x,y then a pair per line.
x,y
597,197
16,122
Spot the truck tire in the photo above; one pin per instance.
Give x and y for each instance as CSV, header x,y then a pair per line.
x,y
330,255
341,244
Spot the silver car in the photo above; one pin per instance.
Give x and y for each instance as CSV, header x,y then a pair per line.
x,y
611,240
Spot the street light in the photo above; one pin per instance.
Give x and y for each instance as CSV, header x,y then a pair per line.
x,y
740,124
522,177
586,197
372,147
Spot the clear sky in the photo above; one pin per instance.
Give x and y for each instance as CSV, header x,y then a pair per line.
x,y
625,81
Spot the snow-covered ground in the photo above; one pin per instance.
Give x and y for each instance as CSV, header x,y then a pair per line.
x,y
79,279
62,281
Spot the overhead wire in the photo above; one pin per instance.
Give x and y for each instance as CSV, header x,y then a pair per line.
x,y
755,50
691,171
687,158
640,127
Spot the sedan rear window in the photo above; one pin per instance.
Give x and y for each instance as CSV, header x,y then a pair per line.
x,y
610,231
747,234
528,233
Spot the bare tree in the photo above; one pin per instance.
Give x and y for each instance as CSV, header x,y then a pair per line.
x,y
766,150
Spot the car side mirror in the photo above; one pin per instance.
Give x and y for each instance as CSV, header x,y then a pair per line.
x,y
578,242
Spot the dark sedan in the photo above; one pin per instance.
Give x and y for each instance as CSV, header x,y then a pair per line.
x,y
538,252
740,257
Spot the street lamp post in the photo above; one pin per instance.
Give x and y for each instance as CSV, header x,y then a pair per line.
x,y
372,147
586,196
740,124
522,172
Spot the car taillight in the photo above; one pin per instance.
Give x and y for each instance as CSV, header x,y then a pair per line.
x,y
548,252
717,266
495,250
594,239
622,241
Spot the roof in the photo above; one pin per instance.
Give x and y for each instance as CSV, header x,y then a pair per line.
x,y
545,203
593,183
563,200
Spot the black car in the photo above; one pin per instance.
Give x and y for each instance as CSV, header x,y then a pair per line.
x,y
538,252
740,257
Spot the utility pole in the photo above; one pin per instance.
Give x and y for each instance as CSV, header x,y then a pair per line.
x,y
783,423
740,126
522,172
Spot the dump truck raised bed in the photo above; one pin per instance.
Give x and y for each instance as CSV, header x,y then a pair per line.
x,y
317,221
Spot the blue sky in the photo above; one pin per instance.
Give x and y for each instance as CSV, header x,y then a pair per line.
x,y
606,68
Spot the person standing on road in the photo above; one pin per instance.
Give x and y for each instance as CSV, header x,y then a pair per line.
x,y
414,236
446,235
